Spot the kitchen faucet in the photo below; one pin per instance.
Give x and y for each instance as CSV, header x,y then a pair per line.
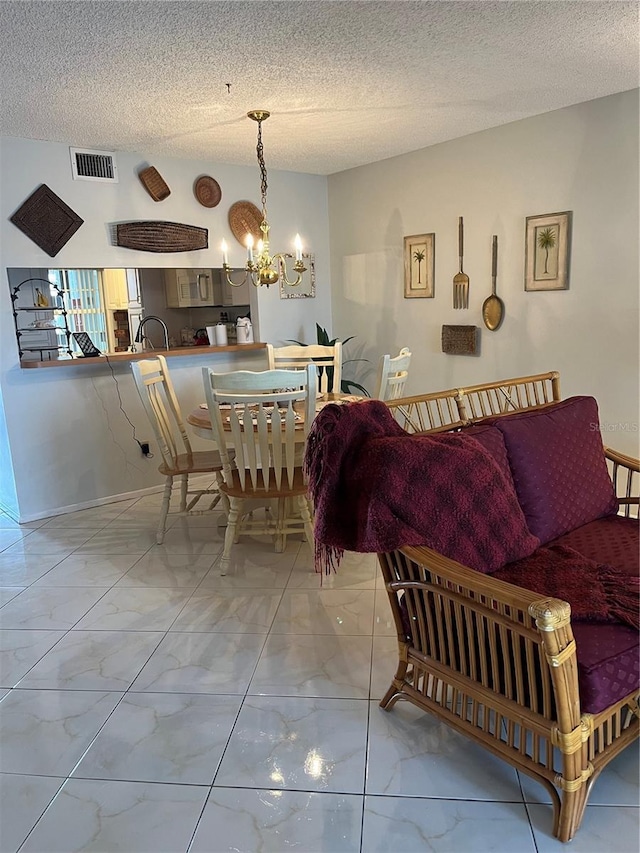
x,y
140,337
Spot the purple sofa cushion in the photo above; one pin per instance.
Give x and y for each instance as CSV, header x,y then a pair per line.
x,y
613,540
491,439
558,466
608,655
608,664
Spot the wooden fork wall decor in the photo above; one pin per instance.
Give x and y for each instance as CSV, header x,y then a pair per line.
x,y
460,279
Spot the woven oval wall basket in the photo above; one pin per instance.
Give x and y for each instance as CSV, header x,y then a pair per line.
x,y
154,183
161,236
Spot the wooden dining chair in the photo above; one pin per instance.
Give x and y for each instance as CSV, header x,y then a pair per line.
x,y
392,375
253,417
327,359
160,403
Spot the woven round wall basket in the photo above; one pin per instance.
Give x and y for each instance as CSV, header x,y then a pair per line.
x,y
245,218
207,190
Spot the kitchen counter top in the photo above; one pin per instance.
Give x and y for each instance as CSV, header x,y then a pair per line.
x,y
114,357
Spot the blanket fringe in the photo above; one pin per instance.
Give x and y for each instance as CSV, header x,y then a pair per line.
x,y
314,462
622,601
327,559
597,592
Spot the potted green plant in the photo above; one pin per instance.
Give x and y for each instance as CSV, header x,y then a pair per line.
x,y
323,340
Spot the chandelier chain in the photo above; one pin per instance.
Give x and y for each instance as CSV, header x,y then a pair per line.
x,y
263,168
265,269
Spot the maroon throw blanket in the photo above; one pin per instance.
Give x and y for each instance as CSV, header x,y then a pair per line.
x,y
376,488
595,591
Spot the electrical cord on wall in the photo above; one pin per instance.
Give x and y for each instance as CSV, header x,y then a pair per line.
x,y
144,447
107,414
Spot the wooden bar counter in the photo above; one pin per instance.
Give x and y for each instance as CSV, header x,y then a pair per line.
x,y
116,357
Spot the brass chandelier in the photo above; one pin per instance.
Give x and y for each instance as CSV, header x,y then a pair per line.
x,y
261,267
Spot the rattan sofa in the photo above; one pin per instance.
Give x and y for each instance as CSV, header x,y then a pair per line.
x,y
497,662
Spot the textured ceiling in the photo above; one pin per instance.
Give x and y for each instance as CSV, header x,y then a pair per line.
x,y
347,83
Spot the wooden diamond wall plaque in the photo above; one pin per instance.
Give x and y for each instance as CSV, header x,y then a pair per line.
x,y
47,220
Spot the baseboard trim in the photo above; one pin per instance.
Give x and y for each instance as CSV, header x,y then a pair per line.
x,y
65,510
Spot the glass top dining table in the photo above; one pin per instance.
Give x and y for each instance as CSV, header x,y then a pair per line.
x,y
200,421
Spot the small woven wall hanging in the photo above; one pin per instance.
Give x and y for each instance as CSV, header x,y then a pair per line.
x,y
460,340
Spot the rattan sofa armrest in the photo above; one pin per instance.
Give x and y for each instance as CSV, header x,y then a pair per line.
x,y
622,459
626,482
498,663
485,585
535,618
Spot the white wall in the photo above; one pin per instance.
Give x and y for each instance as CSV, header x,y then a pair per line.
x,y
64,433
68,441
583,158
8,496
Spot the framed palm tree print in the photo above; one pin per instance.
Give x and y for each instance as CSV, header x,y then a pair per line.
x,y
419,256
547,250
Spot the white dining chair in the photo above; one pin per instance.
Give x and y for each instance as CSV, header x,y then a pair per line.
x,y
327,359
392,375
151,377
259,433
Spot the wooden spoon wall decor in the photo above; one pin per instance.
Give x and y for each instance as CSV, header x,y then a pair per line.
x,y
493,306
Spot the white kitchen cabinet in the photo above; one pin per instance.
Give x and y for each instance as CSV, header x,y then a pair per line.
x,y
193,288
133,288
116,294
189,288
135,317
225,294
235,295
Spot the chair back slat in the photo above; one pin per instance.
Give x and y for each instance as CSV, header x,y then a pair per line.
x,y
327,359
166,439
152,379
290,451
392,375
244,465
263,423
275,448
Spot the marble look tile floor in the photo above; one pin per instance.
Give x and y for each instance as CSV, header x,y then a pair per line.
x,y
147,704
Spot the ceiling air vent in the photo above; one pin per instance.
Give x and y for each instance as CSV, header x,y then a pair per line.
x,y
93,165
